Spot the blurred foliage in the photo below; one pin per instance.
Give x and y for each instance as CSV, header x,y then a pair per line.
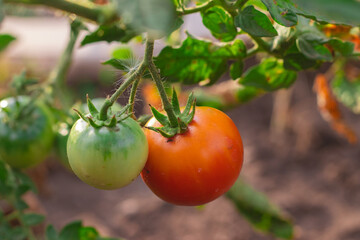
x,y
258,210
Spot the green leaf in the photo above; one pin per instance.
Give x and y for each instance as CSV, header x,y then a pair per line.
x,y
344,48
5,40
123,52
32,219
312,46
284,39
269,75
255,23
51,233
88,233
332,11
71,231
109,33
281,11
117,63
258,210
236,69
198,60
327,11
157,17
220,23
295,60
347,92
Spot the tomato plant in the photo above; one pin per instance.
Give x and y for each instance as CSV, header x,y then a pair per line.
x,y
197,166
26,132
191,155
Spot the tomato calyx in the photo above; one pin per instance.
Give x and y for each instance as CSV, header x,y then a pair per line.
x,y
184,118
93,118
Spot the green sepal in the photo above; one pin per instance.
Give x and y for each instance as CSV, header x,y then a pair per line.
x,y
80,115
183,118
92,109
123,110
112,123
189,117
175,103
93,123
125,117
163,119
188,104
167,132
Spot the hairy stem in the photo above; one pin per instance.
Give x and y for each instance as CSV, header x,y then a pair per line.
x,y
157,78
132,97
83,8
109,102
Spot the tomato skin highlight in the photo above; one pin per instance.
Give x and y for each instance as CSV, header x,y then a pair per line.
x,y
30,140
107,158
198,166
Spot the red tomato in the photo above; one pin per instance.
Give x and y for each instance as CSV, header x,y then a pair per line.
x,y
198,166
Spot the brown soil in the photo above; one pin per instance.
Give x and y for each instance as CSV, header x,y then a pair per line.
x,y
309,171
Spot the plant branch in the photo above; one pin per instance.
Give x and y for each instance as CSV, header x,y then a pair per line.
x,y
132,97
84,8
157,78
197,8
110,101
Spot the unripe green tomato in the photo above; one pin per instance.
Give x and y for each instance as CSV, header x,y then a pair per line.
x,y
28,140
107,158
63,129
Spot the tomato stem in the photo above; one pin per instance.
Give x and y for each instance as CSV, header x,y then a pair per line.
x,y
110,101
132,97
56,80
157,78
86,9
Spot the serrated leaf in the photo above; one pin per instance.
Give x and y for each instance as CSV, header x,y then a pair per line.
x,y
51,233
312,46
269,75
220,23
32,219
236,69
259,211
347,92
198,60
157,17
5,39
255,23
109,33
282,12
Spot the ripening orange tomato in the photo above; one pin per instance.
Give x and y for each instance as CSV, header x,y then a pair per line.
x,y
198,166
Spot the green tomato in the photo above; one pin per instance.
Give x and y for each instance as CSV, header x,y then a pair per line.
x,y
26,141
63,129
107,158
